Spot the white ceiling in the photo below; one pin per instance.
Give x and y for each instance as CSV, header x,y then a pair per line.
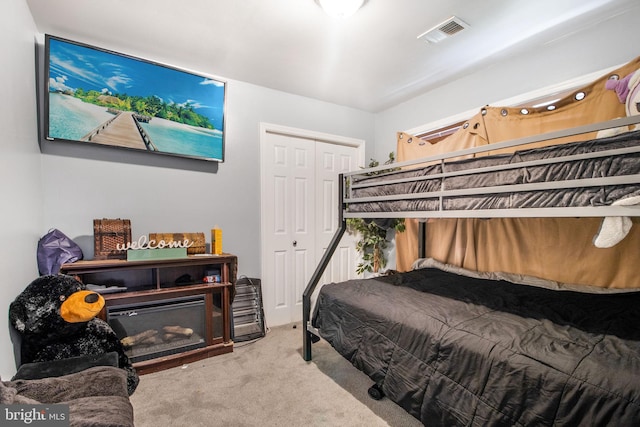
x,y
370,61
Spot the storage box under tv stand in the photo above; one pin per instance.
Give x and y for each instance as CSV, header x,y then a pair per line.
x,y
143,292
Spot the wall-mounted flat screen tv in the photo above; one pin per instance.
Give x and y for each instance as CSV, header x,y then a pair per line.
x,y
97,96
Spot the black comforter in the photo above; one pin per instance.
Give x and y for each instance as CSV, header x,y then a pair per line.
x,y
455,350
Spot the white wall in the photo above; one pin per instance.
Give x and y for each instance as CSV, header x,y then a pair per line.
x,y
20,176
564,59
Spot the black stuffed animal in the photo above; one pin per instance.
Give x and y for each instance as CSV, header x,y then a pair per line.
x,y
56,318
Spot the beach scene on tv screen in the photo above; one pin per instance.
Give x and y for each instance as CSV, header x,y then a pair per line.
x,y
104,98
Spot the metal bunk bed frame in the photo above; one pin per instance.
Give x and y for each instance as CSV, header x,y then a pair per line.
x,y
311,334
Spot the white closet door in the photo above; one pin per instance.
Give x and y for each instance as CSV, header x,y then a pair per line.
x,y
299,209
290,218
332,160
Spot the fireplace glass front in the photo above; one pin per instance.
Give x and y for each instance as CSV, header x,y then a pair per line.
x,y
160,328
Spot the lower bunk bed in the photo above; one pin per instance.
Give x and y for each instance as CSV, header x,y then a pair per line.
x,y
457,347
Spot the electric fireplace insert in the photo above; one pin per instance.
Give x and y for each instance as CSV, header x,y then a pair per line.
x,y
149,330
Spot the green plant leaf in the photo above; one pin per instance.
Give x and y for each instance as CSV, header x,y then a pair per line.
x,y
373,238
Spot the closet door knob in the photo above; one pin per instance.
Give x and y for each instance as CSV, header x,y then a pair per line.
x,y
295,243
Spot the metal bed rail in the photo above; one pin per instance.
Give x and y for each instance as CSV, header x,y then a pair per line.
x,y
307,329
578,130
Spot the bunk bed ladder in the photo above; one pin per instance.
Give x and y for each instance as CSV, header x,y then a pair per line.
x,y
308,330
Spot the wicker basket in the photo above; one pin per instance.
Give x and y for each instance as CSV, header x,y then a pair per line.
x,y
198,246
107,234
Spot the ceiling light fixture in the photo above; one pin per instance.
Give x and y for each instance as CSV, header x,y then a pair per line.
x,y
340,8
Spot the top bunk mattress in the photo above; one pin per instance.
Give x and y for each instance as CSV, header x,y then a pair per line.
x,y
591,173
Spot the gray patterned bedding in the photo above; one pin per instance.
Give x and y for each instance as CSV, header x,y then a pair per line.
x,y
418,190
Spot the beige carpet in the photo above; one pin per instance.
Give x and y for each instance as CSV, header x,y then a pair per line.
x,y
265,383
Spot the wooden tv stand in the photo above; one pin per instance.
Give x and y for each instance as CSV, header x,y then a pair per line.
x,y
154,282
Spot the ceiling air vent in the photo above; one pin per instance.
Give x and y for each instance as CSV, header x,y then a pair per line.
x,y
443,30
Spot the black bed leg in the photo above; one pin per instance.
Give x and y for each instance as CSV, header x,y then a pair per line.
x,y
308,339
375,392
306,345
